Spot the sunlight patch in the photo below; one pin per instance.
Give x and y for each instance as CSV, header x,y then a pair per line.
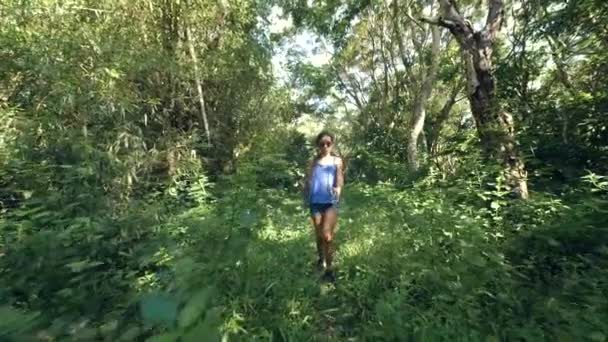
x,y
356,247
287,233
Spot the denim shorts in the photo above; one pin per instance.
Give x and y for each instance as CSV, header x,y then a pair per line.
x,y
320,208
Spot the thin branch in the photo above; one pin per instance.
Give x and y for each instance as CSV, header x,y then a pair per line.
x,y
439,22
400,39
409,16
384,60
373,53
350,92
462,98
96,10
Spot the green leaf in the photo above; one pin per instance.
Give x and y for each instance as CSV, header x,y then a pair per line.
x,y
202,332
130,335
477,260
194,308
79,266
597,336
13,320
113,73
168,337
159,309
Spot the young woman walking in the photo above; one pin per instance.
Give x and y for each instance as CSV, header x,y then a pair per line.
x,y
323,187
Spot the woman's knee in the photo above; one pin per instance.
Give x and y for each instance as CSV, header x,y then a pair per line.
x,y
328,236
317,220
319,229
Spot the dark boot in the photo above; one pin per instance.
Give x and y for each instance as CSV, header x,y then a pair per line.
x,y
320,265
329,276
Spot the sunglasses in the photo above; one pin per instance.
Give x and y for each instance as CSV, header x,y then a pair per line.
x,y
325,143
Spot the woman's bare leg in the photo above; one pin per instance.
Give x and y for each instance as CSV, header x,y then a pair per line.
x,y
317,221
330,218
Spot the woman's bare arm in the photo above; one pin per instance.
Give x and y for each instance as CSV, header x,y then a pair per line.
x,y
339,178
307,177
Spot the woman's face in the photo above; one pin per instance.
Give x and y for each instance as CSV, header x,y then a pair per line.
x,y
325,144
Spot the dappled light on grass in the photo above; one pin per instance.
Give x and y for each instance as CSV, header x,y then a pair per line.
x,y
419,264
411,265
350,248
434,263
282,231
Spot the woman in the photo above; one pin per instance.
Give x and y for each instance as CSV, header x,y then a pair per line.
x,y
324,181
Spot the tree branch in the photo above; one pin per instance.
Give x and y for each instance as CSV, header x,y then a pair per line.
x,y
436,126
350,92
451,19
450,12
439,22
494,20
409,16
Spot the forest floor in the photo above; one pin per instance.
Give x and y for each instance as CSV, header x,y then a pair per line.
x,y
273,288
286,248
285,287
412,265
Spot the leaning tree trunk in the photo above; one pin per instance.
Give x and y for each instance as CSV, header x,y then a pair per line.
x,y
199,87
494,125
434,129
420,102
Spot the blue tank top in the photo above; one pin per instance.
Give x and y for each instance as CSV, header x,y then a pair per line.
x,y
323,181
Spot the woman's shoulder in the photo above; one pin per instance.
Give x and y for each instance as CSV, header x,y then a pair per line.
x,y
338,160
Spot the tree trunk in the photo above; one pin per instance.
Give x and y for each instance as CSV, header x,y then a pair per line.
x,y
199,87
562,76
419,113
495,126
434,130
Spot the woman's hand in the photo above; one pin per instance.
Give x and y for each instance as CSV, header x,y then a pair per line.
x,y
337,192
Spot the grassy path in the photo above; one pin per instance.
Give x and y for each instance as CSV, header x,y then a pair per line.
x,y
284,287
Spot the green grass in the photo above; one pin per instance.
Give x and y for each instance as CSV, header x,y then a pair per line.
x,y
412,265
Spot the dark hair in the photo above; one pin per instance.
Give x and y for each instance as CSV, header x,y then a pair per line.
x,y
325,134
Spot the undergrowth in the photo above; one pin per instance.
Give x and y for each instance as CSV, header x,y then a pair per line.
x,y
413,265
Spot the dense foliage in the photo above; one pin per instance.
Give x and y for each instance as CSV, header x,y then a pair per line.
x,y
151,163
